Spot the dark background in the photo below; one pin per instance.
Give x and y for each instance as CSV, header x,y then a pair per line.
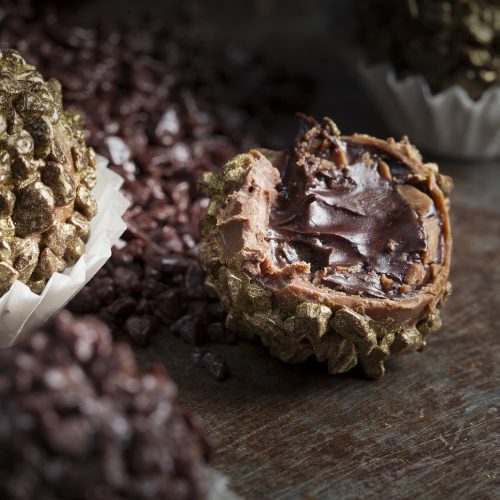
x,y
314,37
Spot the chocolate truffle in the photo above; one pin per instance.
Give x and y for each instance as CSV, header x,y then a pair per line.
x,y
46,174
79,422
338,248
447,42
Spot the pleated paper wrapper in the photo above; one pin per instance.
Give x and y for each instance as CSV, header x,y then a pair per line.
x,y
219,487
449,124
21,310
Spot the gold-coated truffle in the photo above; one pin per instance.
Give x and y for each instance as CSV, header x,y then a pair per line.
x,y
46,173
449,43
338,248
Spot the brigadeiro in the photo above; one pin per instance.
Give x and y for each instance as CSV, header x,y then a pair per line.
x,y
337,248
79,422
433,68
46,174
449,43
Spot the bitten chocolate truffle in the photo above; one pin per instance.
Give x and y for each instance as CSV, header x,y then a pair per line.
x,y
79,422
46,174
338,248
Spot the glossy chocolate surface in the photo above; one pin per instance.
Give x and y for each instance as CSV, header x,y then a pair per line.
x,y
357,216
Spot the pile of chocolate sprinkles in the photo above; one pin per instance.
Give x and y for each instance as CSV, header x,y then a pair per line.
x,y
164,103
79,422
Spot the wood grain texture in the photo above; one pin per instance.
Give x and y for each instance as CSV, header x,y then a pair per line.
x,y
429,429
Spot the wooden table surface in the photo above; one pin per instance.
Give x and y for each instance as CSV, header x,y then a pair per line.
x,y
429,429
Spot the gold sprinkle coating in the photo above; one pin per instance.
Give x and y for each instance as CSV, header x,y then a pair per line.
x,y
46,173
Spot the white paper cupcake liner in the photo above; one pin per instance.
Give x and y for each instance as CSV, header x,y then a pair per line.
x,y
219,487
448,124
21,310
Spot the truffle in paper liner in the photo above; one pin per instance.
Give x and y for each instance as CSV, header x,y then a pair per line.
x,y
46,174
449,124
21,310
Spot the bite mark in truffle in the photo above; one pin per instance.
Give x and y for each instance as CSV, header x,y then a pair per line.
x,y
357,222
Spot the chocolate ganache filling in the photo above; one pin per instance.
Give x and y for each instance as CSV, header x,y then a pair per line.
x,y
362,220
